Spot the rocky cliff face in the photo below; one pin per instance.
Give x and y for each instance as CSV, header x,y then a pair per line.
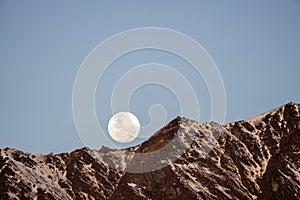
x,y
258,158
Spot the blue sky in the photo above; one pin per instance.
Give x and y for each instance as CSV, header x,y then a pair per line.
x,y
255,44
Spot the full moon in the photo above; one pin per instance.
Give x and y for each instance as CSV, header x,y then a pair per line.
x,y
124,127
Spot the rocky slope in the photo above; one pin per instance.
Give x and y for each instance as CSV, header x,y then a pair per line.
x,y
258,158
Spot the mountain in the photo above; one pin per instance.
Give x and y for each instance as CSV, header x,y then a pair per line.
x,y
258,158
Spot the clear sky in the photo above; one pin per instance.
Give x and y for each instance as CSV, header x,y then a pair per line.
x,y
255,44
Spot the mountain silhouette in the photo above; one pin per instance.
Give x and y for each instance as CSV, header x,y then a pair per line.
x,y
257,158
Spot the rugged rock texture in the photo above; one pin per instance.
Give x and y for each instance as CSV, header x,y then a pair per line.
x,y
258,158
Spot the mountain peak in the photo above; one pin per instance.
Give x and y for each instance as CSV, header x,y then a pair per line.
x,y
256,158
162,137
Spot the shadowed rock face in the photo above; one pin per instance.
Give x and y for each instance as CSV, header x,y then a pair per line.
x,y
258,158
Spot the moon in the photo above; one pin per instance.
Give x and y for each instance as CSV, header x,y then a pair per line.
x,y
124,127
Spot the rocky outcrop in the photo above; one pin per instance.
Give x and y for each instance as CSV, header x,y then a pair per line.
x,y
258,158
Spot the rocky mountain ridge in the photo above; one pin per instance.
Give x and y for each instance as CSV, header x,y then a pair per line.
x,y
258,158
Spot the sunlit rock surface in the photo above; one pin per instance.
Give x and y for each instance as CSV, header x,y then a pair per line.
x,y
258,158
